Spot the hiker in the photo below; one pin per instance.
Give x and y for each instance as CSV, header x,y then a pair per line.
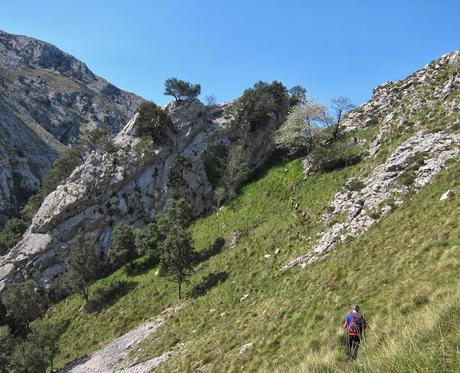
x,y
355,325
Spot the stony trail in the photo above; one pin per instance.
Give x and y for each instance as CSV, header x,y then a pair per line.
x,y
113,357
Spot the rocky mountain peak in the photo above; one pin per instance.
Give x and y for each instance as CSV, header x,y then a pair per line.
x,y
47,99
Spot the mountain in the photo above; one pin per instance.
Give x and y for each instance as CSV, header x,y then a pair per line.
x,y
377,225
47,99
132,183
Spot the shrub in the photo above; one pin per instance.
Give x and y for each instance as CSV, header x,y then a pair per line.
x,y
177,255
123,247
262,102
180,89
297,94
355,185
11,234
23,304
84,267
298,134
215,162
152,121
334,155
147,240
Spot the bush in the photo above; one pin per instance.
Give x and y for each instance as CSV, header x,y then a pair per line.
x,y
215,163
84,267
11,234
23,304
152,121
37,352
180,89
335,155
147,240
177,255
123,247
297,94
298,134
262,102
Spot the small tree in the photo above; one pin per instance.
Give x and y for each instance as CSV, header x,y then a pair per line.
x,y
298,94
147,241
177,256
180,89
262,102
7,341
84,267
37,352
177,212
297,134
340,106
2,313
210,100
11,234
23,304
123,247
152,121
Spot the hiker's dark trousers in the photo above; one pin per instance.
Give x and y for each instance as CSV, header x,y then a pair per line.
x,y
353,345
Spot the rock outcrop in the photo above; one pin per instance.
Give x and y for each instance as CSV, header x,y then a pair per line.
x,y
425,108
47,98
132,185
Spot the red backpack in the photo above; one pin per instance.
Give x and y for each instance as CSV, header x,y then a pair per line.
x,y
357,324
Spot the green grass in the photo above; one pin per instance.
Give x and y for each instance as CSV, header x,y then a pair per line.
x,y
401,272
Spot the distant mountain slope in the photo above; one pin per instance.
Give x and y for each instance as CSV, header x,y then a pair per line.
x,y
47,97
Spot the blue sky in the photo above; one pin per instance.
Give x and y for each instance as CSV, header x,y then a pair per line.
x,y
332,48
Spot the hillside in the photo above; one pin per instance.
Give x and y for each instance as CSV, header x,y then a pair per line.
x,y
50,98
251,307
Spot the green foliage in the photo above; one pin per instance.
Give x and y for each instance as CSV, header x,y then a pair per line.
x,y
262,102
123,247
181,89
330,156
2,313
83,265
297,94
99,138
11,234
215,163
398,261
355,185
23,304
177,212
7,343
153,121
177,255
147,241
37,352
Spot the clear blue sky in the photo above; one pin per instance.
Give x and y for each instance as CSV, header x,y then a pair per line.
x,y
332,48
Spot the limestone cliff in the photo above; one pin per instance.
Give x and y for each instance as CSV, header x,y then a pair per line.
x,y
417,122
133,185
47,98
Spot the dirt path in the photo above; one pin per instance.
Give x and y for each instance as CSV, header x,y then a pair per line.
x,y
113,357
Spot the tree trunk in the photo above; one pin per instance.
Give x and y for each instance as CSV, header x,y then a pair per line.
x,y
86,294
180,288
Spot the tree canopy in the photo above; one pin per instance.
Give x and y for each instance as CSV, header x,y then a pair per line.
x,y
181,89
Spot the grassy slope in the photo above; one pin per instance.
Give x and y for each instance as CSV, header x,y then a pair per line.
x,y
402,272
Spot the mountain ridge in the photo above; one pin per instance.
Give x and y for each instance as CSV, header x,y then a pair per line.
x,y
51,98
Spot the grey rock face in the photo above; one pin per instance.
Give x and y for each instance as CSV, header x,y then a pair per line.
x,y
382,190
47,98
133,187
430,95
